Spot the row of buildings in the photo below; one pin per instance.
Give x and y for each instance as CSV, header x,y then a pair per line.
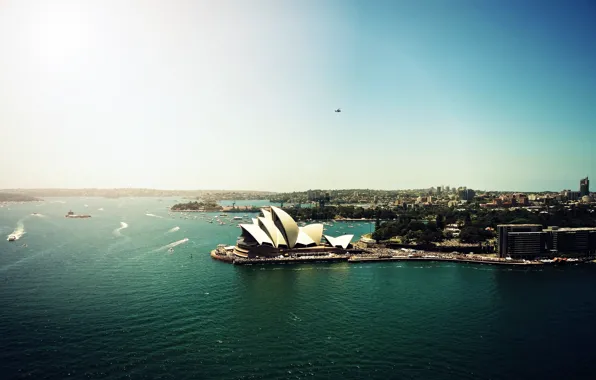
x,y
529,241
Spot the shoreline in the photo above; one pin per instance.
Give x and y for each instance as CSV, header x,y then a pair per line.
x,y
227,257
194,210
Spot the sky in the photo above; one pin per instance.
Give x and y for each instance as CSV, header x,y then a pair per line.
x,y
495,95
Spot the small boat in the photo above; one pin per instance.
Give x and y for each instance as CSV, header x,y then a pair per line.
x,y
11,238
171,250
237,218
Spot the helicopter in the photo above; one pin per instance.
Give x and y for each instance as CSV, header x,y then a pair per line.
x,y
338,110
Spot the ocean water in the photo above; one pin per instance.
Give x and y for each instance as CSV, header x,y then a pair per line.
x,y
104,298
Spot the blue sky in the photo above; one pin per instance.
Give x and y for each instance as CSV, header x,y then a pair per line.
x,y
240,94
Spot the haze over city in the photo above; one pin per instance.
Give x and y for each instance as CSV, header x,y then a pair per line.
x,y
241,94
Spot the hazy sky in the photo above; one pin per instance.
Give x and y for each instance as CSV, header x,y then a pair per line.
x,y
240,94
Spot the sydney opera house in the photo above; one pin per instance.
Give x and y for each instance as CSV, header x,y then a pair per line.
x,y
276,233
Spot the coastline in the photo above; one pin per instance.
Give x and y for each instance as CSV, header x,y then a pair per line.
x,y
210,210
375,255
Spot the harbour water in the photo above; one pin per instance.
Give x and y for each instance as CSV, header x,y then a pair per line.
x,y
105,298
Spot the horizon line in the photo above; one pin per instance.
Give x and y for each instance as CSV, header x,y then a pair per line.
x,y
265,191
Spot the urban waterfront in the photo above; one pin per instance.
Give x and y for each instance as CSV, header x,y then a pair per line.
x,y
105,298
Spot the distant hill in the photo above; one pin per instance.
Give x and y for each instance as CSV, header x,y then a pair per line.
x,y
15,197
117,193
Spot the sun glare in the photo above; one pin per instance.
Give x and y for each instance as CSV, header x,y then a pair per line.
x,y
59,35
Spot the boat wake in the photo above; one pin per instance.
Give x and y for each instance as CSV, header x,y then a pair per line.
x,y
173,229
122,226
19,231
100,209
171,245
155,216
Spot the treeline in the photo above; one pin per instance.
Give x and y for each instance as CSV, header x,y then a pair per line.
x,y
332,212
12,197
476,225
410,231
196,206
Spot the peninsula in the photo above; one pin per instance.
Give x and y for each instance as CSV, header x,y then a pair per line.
x,y
438,224
140,192
17,197
195,206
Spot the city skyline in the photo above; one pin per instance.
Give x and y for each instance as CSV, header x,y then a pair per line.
x,y
241,95
583,189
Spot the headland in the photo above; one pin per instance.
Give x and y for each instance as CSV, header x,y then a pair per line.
x,y
226,254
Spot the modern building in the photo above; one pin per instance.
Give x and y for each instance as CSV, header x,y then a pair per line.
x,y
584,187
571,241
517,243
571,195
526,245
466,194
276,233
528,241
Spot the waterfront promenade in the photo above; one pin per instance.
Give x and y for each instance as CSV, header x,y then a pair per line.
x,y
371,255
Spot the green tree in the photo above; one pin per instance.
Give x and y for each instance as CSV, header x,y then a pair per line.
x,y
440,222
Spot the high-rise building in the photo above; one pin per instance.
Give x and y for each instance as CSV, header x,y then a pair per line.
x,y
584,187
466,194
508,246
528,241
572,241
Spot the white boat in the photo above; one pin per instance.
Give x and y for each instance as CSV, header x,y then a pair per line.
x,y
237,218
11,238
171,250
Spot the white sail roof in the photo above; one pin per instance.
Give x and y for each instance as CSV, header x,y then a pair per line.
x,y
303,238
342,241
314,231
266,214
258,234
272,231
277,227
288,226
